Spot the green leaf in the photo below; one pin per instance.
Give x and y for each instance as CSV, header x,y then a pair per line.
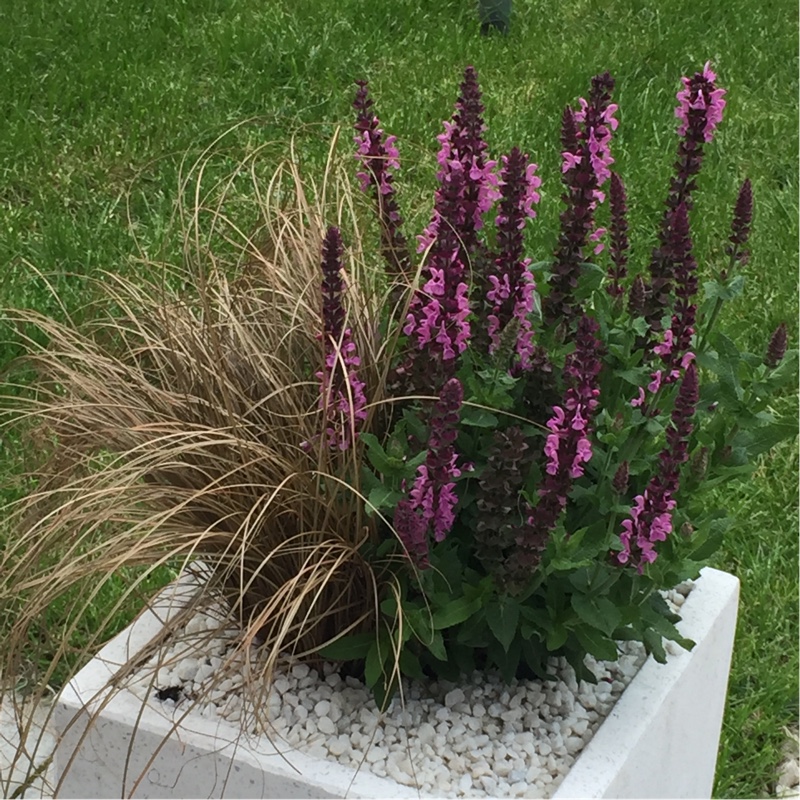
x,y
455,612
436,647
502,616
714,290
763,439
383,497
478,417
599,612
409,665
349,648
556,637
373,666
596,643
654,645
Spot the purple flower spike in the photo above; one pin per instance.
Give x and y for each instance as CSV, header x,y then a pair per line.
x,y
700,111
379,157
342,396
650,518
776,349
619,236
740,227
568,447
464,149
700,104
438,314
433,492
412,531
511,285
586,161
675,347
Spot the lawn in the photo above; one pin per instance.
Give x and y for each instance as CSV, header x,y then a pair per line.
x,y
104,102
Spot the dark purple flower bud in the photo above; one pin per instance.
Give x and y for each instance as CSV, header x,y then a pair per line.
x,y
412,530
776,349
342,392
620,481
637,297
619,236
332,284
742,215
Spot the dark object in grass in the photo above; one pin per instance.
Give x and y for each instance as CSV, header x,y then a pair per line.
x,y
494,14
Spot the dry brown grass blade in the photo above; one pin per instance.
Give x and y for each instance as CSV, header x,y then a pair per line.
x,y
175,425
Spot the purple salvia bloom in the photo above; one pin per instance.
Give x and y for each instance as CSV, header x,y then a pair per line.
x,y
619,236
462,144
379,157
433,492
586,158
674,349
342,395
437,321
740,227
700,111
650,519
511,292
412,530
700,99
568,446
776,349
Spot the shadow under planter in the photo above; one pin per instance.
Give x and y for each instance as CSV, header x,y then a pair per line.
x,y
660,739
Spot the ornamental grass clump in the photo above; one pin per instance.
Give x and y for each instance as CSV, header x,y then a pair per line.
x,y
416,461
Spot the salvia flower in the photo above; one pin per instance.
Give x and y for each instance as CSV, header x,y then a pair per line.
x,y
776,349
700,104
511,287
412,531
568,446
740,224
342,396
675,347
699,110
433,495
437,321
379,158
586,161
650,519
464,149
619,236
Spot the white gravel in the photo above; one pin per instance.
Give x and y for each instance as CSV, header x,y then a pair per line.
x,y
477,739
28,765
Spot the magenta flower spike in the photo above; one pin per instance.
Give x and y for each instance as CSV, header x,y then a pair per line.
x,y
586,161
568,446
379,159
699,110
650,519
432,494
511,285
342,396
619,236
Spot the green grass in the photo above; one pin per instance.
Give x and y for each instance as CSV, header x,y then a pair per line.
x,y
100,101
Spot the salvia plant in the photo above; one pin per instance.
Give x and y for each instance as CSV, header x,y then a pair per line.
x,y
534,470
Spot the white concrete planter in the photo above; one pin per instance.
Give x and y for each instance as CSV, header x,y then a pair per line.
x,y
660,739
